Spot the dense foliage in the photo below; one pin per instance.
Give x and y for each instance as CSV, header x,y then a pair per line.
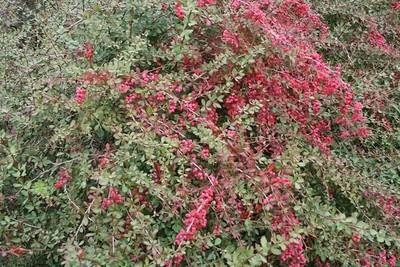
x,y
200,132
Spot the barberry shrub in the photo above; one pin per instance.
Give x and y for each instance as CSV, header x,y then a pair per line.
x,y
200,132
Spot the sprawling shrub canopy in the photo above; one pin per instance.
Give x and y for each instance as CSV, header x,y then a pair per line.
x,y
234,132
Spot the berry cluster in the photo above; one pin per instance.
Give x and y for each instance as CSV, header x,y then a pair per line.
x,y
180,13
395,5
64,177
80,95
293,254
196,219
17,250
88,50
113,198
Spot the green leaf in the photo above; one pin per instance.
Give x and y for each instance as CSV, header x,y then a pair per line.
x,y
264,242
275,250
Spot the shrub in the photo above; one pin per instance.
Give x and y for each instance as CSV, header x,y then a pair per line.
x,y
199,133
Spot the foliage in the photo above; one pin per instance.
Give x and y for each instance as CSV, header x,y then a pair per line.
x,y
223,133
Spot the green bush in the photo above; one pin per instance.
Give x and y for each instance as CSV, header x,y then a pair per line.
x,y
191,133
